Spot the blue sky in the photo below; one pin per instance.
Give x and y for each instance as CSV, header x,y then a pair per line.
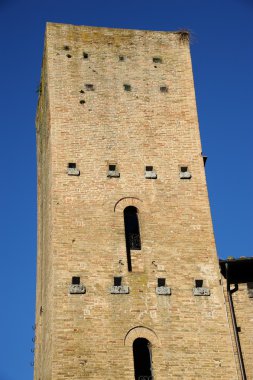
x,y
222,56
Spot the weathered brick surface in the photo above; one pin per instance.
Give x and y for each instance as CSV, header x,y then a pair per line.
x,y
243,307
81,225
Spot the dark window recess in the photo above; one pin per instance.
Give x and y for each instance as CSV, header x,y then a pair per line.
x,y
85,55
69,56
72,165
149,168
164,89
81,92
117,281
250,289
112,167
75,280
66,47
89,87
161,281
132,232
142,359
198,283
121,58
82,101
184,169
127,87
157,60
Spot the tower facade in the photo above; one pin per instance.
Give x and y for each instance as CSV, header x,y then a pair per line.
x,y
128,281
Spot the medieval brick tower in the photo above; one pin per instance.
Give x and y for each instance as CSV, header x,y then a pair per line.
x,y
128,283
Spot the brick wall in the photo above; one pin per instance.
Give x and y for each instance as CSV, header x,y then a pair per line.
x,y
90,335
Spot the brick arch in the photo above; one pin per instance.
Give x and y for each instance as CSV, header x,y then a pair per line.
x,y
122,203
141,332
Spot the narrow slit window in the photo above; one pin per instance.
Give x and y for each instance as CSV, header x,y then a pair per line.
x,y
127,87
142,359
161,281
132,233
250,289
75,280
198,283
117,281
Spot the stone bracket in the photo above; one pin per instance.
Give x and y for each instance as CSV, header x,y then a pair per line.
x,y
201,291
113,174
150,174
77,289
185,175
123,289
73,171
163,290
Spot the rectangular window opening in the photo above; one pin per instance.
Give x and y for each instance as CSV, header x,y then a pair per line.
x,y
184,169
149,168
198,283
121,58
127,87
72,165
164,89
112,167
85,55
157,60
117,281
89,87
161,281
75,280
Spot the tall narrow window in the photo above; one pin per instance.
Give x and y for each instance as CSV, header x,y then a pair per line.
x,y
132,232
142,359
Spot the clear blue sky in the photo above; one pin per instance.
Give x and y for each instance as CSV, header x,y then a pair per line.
x,y
222,57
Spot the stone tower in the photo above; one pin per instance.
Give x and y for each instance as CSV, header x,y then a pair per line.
x,y
128,282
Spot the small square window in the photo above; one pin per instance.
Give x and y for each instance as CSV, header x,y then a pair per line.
x,y
184,169
164,89
149,168
85,55
161,281
112,167
117,281
72,165
75,280
127,87
157,60
89,87
198,283
121,58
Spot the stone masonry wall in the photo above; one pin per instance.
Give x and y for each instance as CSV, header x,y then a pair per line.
x,y
92,333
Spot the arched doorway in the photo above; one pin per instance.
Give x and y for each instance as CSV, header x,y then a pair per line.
x,y
142,359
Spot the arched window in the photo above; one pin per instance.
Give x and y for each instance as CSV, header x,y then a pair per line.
x,y
132,232
142,359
